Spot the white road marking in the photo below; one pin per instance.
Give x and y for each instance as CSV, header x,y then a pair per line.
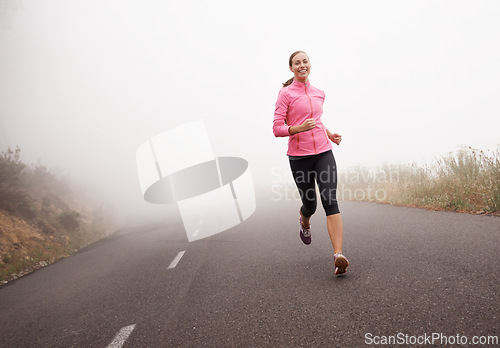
x,y
176,260
121,336
195,233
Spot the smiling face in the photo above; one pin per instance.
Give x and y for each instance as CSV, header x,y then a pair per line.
x,y
301,66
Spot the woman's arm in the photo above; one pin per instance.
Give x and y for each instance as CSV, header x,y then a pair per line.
x,y
280,129
305,126
334,137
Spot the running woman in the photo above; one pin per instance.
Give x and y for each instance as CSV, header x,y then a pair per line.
x,y
298,116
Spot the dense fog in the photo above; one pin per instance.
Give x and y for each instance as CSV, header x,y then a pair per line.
x,y
84,83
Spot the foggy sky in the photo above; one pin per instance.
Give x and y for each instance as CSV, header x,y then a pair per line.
x,y
84,83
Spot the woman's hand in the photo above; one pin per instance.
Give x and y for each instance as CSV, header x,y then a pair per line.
x,y
304,127
307,125
335,137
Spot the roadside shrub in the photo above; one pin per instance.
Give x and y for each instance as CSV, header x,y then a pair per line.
x,y
6,258
26,210
12,193
70,220
45,227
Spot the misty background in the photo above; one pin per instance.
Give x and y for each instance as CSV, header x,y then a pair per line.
x,y
84,83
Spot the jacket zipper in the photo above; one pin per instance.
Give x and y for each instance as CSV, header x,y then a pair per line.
x,y
310,103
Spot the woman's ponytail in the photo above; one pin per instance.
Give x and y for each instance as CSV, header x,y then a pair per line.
x,y
288,83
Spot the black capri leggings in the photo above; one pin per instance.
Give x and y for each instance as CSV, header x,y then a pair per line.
x,y
322,169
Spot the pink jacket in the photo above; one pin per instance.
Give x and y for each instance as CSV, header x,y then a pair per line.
x,y
296,103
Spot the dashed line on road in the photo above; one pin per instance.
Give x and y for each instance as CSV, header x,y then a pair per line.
x,y
121,336
176,260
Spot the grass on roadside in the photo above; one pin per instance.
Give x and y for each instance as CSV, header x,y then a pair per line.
x,y
466,181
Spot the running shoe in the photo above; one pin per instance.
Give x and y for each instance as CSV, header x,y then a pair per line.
x,y
341,264
305,233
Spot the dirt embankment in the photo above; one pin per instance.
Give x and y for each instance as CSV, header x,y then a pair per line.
x,y
22,247
43,217
26,247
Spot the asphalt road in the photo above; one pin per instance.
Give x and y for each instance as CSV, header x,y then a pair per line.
x,y
413,273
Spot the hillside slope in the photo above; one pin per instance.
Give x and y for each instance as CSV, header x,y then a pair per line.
x,y
42,218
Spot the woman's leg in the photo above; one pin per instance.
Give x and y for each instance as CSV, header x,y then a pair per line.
x,y
304,178
336,231
305,219
326,176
